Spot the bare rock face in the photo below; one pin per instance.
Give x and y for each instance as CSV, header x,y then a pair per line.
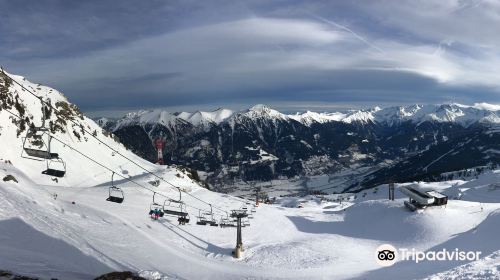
x,y
10,178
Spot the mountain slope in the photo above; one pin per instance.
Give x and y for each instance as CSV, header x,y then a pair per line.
x,y
262,144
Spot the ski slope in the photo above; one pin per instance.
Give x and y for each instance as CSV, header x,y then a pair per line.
x,y
79,235
321,240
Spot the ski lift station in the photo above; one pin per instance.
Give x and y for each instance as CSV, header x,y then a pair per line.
x,y
419,199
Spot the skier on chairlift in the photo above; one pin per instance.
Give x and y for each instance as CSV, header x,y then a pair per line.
x,y
157,214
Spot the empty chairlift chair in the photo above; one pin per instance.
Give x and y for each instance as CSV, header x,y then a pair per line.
x,y
202,220
55,167
212,222
207,218
176,208
227,222
37,146
115,193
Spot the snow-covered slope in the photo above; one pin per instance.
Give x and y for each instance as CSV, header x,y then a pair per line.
x,y
68,125
321,240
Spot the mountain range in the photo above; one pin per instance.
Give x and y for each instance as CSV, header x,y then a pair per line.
x,y
400,143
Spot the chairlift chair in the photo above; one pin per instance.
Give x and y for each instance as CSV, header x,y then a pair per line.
x,y
55,167
202,221
169,207
155,207
245,223
174,207
212,222
227,222
36,146
183,219
115,193
177,209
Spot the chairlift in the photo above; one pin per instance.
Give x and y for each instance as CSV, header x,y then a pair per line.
x,y
155,207
115,193
205,218
55,168
202,220
176,208
212,222
227,221
183,219
36,146
245,222
36,143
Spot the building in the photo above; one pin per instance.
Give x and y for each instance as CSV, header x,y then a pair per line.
x,y
419,199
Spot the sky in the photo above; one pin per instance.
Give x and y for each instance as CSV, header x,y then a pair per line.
x,y
116,56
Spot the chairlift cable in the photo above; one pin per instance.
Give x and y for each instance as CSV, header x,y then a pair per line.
x,y
108,146
107,168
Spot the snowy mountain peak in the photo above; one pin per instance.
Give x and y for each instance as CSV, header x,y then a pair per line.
x,y
147,117
417,113
261,110
200,117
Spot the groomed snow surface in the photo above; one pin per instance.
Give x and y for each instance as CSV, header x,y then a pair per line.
x,y
48,237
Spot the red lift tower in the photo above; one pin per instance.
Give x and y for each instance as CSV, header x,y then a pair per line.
x,y
160,144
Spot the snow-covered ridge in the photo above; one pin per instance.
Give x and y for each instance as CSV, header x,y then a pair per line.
x,y
157,116
454,113
68,125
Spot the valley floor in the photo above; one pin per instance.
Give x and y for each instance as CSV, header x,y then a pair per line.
x,y
80,235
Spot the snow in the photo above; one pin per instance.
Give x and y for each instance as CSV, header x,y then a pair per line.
x,y
199,117
317,241
79,235
455,113
309,117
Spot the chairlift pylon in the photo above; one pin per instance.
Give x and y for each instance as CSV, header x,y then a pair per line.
x,y
115,193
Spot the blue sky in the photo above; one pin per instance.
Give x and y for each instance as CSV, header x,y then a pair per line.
x,y
294,55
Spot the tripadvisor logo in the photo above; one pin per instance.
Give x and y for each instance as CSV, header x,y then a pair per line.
x,y
387,255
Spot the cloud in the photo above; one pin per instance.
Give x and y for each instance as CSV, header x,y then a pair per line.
x,y
310,51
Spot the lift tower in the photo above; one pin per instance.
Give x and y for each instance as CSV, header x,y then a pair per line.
x,y
238,215
159,144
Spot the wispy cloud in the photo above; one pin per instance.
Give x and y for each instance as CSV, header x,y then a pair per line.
x,y
192,53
